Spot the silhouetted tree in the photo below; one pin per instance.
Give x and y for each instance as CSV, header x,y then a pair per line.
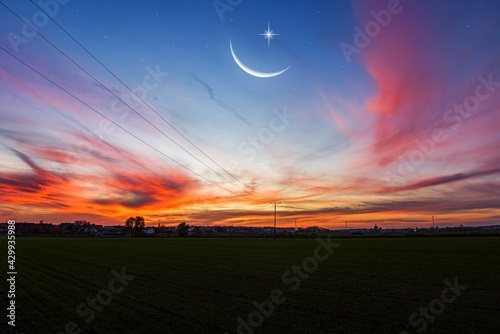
x,y
129,224
182,229
139,225
135,225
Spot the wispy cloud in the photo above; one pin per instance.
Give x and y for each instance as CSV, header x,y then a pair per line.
x,y
442,180
220,101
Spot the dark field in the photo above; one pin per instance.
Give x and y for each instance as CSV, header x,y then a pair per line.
x,y
204,285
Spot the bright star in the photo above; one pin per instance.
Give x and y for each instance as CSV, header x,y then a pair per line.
x,y
268,34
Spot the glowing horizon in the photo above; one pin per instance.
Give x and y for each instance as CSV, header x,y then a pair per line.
x,y
388,114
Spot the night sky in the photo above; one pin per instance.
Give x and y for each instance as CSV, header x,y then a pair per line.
x,y
387,113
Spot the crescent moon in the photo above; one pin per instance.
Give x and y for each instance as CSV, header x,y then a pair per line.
x,y
253,72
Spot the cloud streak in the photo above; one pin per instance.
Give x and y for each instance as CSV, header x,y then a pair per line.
x,y
220,101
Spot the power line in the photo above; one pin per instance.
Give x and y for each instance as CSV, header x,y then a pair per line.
x,y
111,92
110,120
121,100
147,104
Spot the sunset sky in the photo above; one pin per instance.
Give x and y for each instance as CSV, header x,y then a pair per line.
x,y
388,112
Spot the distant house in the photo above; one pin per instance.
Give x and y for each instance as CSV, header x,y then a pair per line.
x,y
194,231
206,230
90,230
149,231
268,230
220,229
66,226
113,231
32,228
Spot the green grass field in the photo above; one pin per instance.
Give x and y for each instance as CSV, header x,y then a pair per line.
x,y
204,285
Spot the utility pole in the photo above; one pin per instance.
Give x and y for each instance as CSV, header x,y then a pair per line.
x,y
275,204
432,221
